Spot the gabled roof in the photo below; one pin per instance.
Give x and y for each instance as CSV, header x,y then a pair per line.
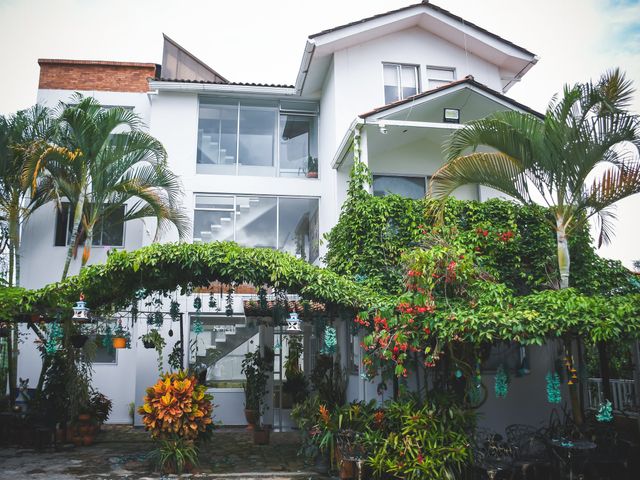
x,y
513,61
468,80
433,7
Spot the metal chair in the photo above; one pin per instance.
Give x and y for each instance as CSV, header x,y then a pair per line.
x,y
492,456
529,449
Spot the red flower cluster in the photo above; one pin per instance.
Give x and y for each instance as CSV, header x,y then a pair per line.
x,y
482,232
362,321
505,236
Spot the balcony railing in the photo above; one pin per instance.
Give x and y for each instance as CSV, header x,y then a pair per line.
x,y
623,391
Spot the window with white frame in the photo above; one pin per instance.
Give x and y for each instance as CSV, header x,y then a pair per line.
x,y
400,81
289,224
439,76
264,138
403,185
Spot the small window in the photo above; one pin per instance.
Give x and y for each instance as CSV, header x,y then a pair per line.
x,y
400,81
439,76
104,353
405,186
108,231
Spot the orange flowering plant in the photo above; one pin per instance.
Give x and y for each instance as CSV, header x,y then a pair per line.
x,y
177,406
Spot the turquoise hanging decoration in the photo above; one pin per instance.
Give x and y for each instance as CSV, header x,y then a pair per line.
x,y
605,412
553,388
55,335
330,341
198,328
197,303
458,373
501,382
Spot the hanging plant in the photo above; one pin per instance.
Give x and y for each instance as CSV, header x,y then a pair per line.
x,y
501,382
330,341
605,412
174,311
153,339
553,388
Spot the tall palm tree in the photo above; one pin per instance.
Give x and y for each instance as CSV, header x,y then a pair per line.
x,y
579,159
102,161
18,132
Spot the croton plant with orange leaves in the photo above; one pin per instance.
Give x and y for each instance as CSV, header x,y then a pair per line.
x,y
177,406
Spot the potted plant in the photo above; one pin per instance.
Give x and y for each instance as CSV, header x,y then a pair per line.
x,y
120,337
153,339
255,367
100,406
295,385
312,167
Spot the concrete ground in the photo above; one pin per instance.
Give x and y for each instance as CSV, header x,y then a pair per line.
x,y
123,452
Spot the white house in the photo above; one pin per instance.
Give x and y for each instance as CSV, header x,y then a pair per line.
x,y
267,165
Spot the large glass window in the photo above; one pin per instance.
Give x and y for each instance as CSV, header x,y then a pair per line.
x,y
285,223
400,81
297,134
108,231
409,187
257,138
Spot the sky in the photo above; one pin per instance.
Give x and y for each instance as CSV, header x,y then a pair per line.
x,y
263,41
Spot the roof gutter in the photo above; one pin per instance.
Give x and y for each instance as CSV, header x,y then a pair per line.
x,y
345,143
214,87
520,74
309,48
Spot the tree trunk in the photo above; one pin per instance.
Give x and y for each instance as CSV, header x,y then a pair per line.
x,y
605,371
77,218
564,260
14,280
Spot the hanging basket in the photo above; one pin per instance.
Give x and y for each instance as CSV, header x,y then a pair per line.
x,y
119,342
148,344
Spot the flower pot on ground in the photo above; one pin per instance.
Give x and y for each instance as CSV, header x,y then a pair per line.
x,y
261,435
252,417
256,368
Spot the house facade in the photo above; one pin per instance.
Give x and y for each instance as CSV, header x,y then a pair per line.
x,y
268,166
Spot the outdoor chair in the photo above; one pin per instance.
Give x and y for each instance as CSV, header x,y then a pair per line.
x,y
492,456
531,457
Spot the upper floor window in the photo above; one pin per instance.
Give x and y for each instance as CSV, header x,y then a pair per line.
x,y
405,186
108,231
257,138
439,76
400,81
284,223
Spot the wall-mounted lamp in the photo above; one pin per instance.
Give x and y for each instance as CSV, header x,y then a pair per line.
x,y
383,128
451,115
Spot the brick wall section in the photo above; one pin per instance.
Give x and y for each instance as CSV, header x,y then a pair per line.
x,y
95,75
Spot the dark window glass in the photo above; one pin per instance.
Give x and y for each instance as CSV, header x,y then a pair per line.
x,y
62,220
409,187
109,231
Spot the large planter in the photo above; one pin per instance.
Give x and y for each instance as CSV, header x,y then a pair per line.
x,y
312,174
252,417
261,435
78,341
346,469
119,342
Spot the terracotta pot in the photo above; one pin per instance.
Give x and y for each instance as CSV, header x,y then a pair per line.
x,y
346,468
252,416
119,342
78,341
84,429
87,440
312,174
84,417
261,436
61,435
76,440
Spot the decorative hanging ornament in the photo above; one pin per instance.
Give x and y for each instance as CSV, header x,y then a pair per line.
x,y
197,303
553,388
501,382
55,335
293,323
197,326
605,412
330,341
80,311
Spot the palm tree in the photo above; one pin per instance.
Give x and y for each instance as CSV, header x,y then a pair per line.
x,y
579,159
18,133
102,161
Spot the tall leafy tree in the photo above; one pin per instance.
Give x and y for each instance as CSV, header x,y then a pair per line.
x,y
102,161
579,159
